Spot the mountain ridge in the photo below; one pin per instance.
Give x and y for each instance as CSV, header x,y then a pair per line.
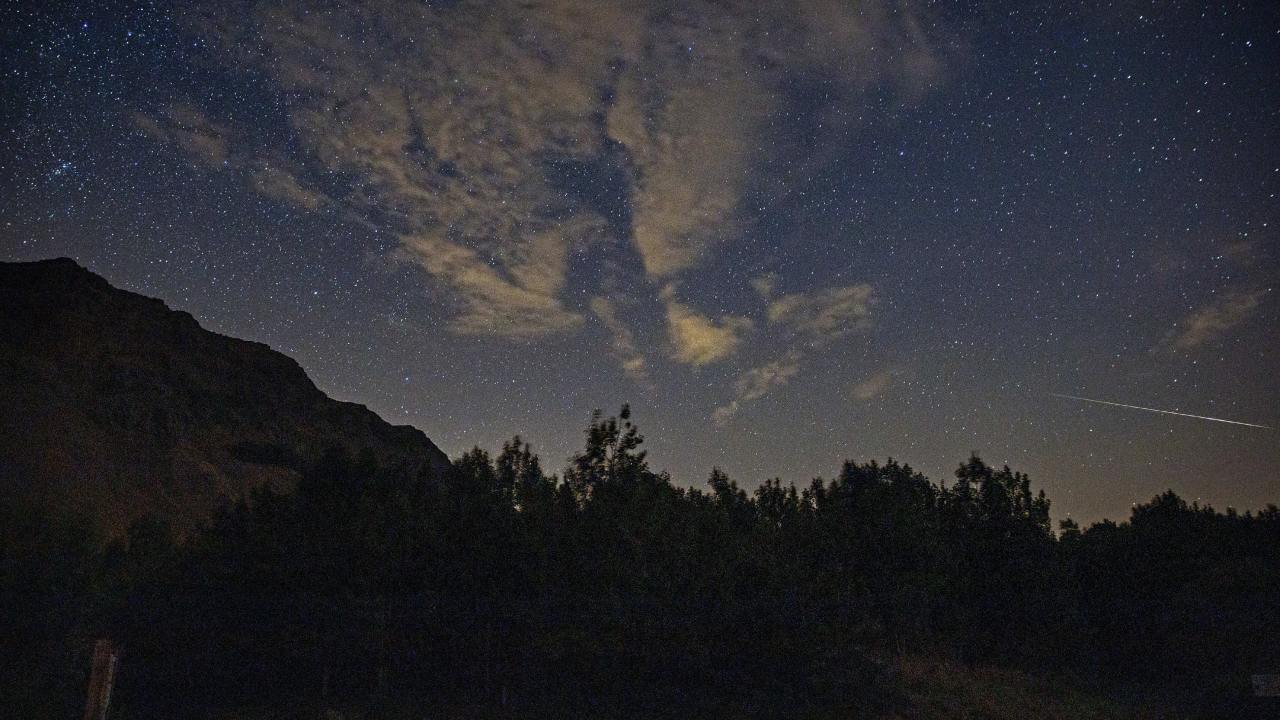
x,y
113,405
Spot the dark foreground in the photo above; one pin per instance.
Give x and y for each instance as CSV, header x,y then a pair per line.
x,y
927,689
610,591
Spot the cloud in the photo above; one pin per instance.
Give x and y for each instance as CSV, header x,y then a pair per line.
x,y
214,144
813,321
280,184
874,385
191,130
758,382
697,109
691,166
1215,319
1244,252
490,303
764,284
450,125
825,314
440,126
622,340
697,339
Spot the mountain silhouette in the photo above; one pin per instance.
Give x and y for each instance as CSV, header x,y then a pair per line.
x,y
113,406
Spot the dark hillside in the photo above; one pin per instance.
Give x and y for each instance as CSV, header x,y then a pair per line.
x,y
112,404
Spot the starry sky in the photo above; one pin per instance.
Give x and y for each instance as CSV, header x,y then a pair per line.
x,y
787,233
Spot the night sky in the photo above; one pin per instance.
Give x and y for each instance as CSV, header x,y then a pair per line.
x,y
786,233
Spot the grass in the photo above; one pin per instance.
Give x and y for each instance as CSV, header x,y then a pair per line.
x,y
929,689
941,690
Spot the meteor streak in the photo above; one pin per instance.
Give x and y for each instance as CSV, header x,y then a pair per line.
x,y
1157,410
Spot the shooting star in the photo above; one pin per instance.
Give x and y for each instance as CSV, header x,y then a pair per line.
x,y
1157,410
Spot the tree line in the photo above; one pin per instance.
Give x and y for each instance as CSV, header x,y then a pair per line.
x,y
609,589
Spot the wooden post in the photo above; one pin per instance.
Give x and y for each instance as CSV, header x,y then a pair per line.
x,y
102,676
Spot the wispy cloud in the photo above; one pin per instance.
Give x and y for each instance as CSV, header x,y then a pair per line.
x,y
190,129
825,314
1216,318
622,340
764,284
691,167
491,303
450,125
1245,252
280,184
758,382
218,146
874,385
697,339
812,321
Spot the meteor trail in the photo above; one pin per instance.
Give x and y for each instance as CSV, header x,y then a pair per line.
x,y
1156,410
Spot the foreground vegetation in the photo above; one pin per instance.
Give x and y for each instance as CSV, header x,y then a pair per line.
x,y
610,591
929,689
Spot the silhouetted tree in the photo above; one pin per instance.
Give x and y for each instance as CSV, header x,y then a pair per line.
x,y
616,592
